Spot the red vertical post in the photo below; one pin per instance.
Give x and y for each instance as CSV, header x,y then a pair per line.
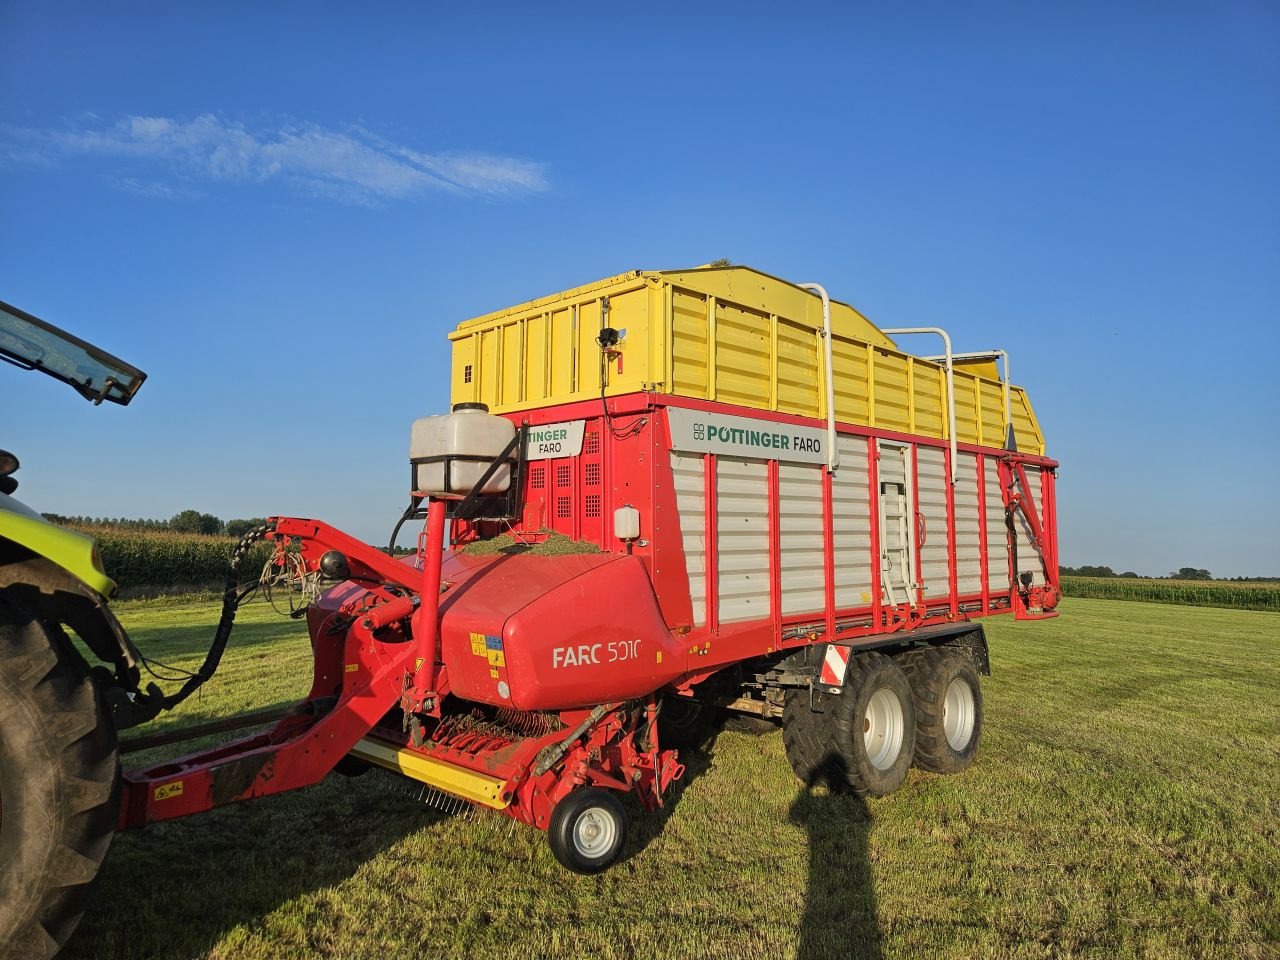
x,y
1049,494
711,554
829,549
982,530
953,581
873,480
775,549
426,622
915,533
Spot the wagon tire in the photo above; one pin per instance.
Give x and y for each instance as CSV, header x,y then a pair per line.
x,y
588,830
687,724
948,701
59,786
806,736
874,727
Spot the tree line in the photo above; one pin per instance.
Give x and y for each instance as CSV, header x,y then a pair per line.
x,y
184,521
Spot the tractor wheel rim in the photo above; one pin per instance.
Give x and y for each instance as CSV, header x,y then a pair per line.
x,y
958,714
594,833
883,727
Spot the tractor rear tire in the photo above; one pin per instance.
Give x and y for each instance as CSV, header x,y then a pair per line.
x,y
588,830
59,787
948,702
874,727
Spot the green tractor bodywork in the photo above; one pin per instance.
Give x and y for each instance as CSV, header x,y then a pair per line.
x,y
74,552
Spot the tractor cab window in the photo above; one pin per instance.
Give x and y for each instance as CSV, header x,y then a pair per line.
x,y
30,343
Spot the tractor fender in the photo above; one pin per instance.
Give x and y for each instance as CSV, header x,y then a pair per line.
x,y
51,592
74,552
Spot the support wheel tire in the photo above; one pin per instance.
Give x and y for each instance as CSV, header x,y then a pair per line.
x,y
588,830
874,727
948,700
59,787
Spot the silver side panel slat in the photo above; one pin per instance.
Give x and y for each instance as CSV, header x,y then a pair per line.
x,y
742,539
997,533
932,504
800,538
851,502
691,503
968,546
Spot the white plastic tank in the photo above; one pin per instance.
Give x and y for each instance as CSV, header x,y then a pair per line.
x,y
460,446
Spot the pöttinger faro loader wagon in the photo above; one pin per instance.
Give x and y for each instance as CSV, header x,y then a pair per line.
x,y
770,508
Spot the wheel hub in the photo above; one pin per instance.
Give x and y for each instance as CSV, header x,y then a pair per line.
x,y
883,728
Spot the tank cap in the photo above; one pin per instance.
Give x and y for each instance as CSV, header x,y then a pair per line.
x,y
482,407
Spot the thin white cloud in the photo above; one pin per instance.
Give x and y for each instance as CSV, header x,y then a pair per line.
x,y
352,165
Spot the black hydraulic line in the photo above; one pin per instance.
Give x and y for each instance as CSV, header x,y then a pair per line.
x,y
412,512
230,601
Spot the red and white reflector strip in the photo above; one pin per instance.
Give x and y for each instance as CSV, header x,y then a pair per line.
x,y
834,665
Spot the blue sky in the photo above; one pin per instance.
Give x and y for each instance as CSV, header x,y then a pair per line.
x,y
279,215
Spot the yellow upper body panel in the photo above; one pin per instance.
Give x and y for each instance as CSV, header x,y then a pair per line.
x,y
730,334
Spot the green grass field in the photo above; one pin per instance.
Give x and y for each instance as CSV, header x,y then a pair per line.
x,y
1124,804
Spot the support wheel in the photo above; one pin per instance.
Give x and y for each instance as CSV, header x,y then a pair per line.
x,y
59,787
874,727
948,702
588,830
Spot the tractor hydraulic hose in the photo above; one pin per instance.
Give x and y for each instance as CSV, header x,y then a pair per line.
x,y
413,511
230,601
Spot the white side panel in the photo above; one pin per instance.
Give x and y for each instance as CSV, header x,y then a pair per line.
x,y
968,546
997,534
691,503
851,503
932,504
800,538
742,539
1029,559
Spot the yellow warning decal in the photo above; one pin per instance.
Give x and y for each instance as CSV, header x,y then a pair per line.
x,y
497,658
352,667
417,664
167,790
477,644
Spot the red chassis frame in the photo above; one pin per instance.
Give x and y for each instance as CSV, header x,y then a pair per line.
x,y
367,662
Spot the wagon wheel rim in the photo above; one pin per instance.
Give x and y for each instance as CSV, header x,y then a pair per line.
x,y
959,713
883,729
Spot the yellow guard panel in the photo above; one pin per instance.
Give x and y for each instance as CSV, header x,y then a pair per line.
x,y
730,334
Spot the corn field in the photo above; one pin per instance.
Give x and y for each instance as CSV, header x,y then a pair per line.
x,y
1196,593
161,562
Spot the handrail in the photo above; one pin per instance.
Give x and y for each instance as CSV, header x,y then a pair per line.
x,y
951,385
833,451
1004,381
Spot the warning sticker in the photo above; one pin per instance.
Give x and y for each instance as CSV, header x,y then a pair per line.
x,y
165,791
